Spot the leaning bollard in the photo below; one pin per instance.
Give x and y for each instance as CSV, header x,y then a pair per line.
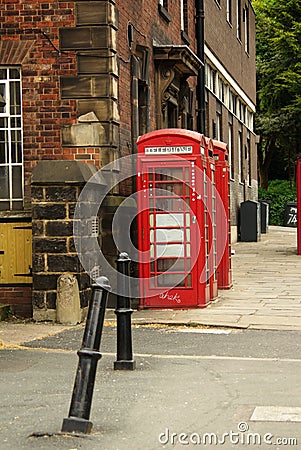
x,y
79,413
123,312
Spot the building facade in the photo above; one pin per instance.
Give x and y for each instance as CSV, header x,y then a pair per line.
x,y
79,82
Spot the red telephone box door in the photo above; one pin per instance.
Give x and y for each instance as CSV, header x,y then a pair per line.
x,y
169,240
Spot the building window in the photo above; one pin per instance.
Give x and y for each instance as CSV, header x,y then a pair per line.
x,y
232,102
247,29
249,119
210,78
229,11
221,90
213,134
184,21
218,132
230,146
164,3
248,157
11,148
172,115
240,156
163,10
238,19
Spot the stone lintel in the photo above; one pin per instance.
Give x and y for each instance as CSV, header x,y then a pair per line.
x,y
49,172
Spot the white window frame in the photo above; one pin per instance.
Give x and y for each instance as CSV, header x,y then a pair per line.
x,y
229,12
6,160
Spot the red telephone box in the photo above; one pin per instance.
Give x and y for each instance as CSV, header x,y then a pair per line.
x,y
222,184
171,183
298,177
211,223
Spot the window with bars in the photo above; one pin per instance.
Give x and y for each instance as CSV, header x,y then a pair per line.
x,y
11,149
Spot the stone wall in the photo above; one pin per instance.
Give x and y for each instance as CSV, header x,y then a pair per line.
x,y
56,187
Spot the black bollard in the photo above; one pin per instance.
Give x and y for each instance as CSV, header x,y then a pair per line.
x,y
123,312
79,413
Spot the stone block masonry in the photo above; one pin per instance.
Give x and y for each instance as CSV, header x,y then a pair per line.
x,y
53,203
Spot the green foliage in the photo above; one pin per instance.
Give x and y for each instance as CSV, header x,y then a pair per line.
x,y
279,192
278,118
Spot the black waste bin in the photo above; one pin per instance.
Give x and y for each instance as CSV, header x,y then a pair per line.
x,y
264,216
249,221
290,214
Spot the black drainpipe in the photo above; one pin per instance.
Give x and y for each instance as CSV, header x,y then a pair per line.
x,y
200,91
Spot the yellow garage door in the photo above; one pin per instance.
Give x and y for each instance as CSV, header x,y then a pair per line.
x,y
15,252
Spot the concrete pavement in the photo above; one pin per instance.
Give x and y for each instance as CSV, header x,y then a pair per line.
x,y
266,294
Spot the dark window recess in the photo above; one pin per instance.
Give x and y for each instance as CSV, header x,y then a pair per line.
x,y
213,130
163,11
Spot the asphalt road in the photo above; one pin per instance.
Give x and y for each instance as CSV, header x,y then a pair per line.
x,y
190,389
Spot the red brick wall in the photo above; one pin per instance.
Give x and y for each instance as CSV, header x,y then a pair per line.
x,y
149,26
23,22
19,299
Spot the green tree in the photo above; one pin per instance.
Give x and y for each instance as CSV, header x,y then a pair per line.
x,y
278,117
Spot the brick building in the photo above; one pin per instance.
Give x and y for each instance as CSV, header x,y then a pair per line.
x,y
79,82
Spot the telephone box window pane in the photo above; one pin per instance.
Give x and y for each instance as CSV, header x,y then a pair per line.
x,y
187,219
151,220
152,282
168,250
17,182
188,234
168,235
169,204
188,281
150,175
4,186
170,280
152,251
170,220
152,235
188,249
172,264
